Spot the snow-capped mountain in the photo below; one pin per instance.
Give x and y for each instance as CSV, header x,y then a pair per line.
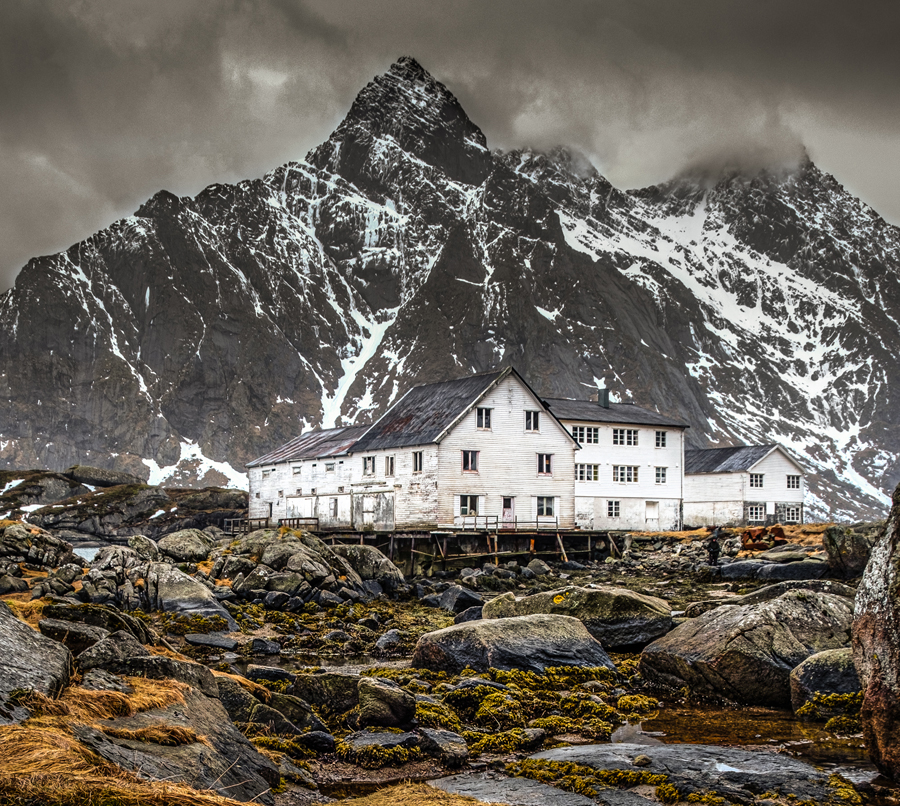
x,y
202,332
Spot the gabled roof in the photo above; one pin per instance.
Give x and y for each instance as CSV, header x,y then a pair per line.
x,y
729,460
314,445
590,411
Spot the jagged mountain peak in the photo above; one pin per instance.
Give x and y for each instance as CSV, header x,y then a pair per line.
x,y
409,109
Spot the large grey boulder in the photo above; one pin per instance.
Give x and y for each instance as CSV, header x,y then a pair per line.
x,y
23,542
100,477
371,564
876,647
849,548
383,703
772,592
76,637
524,642
28,660
117,559
746,653
170,590
828,672
144,547
616,617
187,545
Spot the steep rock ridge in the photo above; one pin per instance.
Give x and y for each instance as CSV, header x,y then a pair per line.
x,y
198,333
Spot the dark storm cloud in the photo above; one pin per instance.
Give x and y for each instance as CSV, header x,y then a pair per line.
x,y
105,103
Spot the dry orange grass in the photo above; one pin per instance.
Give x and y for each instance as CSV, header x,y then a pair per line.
x,y
25,608
258,691
410,794
158,733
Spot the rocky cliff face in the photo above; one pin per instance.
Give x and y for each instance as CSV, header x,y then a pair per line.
x,y
202,332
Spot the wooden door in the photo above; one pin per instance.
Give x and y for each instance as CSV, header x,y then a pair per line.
x,y
508,518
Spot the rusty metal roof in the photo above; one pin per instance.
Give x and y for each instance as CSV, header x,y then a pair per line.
x,y
590,411
727,460
314,445
422,415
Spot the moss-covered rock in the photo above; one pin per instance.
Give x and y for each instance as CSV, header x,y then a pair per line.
x,y
828,672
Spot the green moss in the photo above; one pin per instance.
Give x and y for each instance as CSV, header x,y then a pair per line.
x,y
844,725
374,757
507,741
278,686
580,706
437,715
591,728
667,793
636,705
499,710
712,799
467,701
581,778
841,791
176,624
283,744
825,706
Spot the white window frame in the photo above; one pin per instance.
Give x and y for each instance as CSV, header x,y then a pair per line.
x,y
483,418
586,434
465,506
661,475
626,436
545,506
329,467
296,469
469,458
388,466
418,461
532,421
267,472
757,480
626,474
756,509
613,509
368,466
587,472
793,482
545,464
661,439
796,511
333,507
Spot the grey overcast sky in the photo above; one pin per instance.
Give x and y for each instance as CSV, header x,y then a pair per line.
x,y
104,102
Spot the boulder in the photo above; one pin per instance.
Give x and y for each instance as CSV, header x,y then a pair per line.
x,y
212,640
772,592
273,720
28,660
389,642
297,710
371,564
226,762
470,614
23,542
457,598
383,703
187,545
848,550
828,672
335,691
497,789
117,559
11,584
746,654
144,547
111,652
263,646
100,477
876,647
525,642
618,618
538,567
101,680
72,635
170,590
446,746
237,701
105,617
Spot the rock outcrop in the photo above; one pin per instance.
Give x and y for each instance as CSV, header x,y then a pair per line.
x,y
746,654
876,647
524,642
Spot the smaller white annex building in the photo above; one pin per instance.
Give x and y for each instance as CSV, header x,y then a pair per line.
x,y
629,471
483,451
742,485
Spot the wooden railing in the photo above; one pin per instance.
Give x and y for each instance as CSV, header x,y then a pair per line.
x,y
310,524
243,526
489,523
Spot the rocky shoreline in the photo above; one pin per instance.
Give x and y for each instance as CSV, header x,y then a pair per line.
x,y
215,662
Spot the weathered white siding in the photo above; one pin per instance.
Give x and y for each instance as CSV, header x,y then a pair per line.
x,y
645,504
507,460
724,498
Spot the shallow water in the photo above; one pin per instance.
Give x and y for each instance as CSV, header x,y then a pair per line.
x,y
87,554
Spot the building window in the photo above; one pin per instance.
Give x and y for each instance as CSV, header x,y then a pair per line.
x,y
296,469
545,465
626,473
388,465
418,457
368,465
586,434
333,507
587,472
468,505
483,419
329,467
299,491
660,475
756,479
470,461
266,473
257,495
312,490
545,506
532,421
612,509
340,490
661,439
792,514
625,436
281,493
756,513
793,482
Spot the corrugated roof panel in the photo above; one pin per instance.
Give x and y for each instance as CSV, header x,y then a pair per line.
x,y
424,413
725,460
313,445
619,413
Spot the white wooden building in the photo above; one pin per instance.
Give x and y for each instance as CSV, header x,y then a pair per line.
x,y
743,485
629,471
483,450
